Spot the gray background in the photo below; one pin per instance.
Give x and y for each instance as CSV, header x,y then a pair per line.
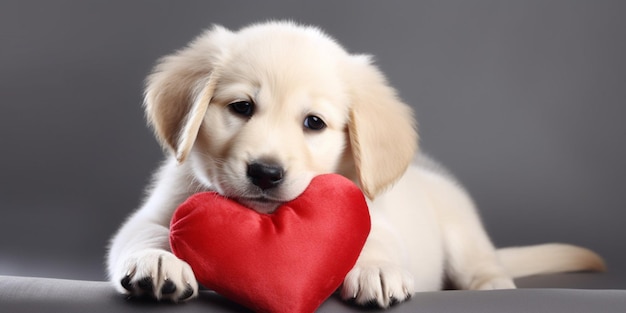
x,y
523,100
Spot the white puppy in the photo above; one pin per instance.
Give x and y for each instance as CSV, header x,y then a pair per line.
x,y
256,114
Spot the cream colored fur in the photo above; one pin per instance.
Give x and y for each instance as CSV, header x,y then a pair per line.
x,y
425,226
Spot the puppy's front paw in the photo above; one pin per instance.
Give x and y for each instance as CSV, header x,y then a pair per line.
x,y
157,274
377,284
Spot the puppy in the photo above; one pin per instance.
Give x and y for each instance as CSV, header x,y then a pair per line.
x,y
256,114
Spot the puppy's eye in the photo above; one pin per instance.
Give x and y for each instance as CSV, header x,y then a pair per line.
x,y
313,122
243,108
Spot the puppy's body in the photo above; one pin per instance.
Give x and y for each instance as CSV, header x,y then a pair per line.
x,y
256,114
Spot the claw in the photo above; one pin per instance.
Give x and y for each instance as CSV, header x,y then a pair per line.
x,y
126,283
168,287
146,284
187,293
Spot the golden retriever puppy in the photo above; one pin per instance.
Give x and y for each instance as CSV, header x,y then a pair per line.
x,y
256,114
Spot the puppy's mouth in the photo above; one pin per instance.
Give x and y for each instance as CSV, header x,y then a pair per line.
x,y
261,204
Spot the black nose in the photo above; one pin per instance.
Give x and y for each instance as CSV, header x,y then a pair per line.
x,y
265,175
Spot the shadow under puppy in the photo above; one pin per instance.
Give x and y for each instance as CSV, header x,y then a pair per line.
x,y
255,114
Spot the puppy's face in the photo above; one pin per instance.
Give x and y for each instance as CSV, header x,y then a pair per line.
x,y
259,112
278,117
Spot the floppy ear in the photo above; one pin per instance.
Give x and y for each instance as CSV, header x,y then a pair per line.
x,y
179,89
382,129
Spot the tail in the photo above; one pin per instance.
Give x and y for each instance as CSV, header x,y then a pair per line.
x,y
549,258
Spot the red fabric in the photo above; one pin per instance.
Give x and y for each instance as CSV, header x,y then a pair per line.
x,y
288,261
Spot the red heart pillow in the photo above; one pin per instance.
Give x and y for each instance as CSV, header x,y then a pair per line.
x,y
288,261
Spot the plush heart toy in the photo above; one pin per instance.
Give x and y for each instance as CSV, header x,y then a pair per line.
x,y
288,261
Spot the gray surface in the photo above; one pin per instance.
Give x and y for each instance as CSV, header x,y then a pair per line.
x,y
523,100
54,295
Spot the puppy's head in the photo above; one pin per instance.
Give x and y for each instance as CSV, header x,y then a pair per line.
x,y
259,112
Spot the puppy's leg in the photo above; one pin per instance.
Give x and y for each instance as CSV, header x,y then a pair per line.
x,y
380,276
472,262
139,261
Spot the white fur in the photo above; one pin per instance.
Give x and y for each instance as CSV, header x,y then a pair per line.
x,y
424,225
